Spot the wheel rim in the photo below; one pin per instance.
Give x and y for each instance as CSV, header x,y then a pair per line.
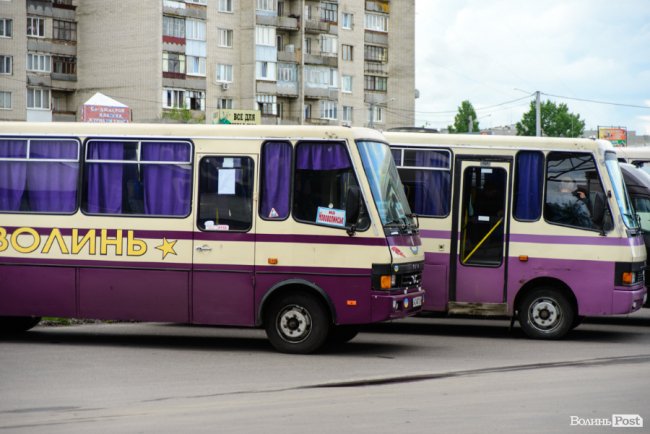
x,y
294,324
545,314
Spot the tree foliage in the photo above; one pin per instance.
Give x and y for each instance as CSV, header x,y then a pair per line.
x,y
556,121
466,116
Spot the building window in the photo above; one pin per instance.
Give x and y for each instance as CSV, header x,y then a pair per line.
x,y
347,114
266,71
347,20
373,82
318,76
225,38
173,62
35,27
346,83
198,2
328,45
308,45
377,22
376,114
224,73
267,5
6,65
225,103
307,111
346,52
329,12
64,64
265,35
374,53
195,99
268,104
328,110
6,27
173,98
196,66
38,98
39,62
287,72
64,30
225,6
195,30
173,26
5,100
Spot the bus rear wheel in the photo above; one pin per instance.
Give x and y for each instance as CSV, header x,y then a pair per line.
x,y
546,313
297,324
17,324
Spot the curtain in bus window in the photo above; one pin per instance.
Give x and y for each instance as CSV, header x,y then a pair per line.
x,y
432,187
166,186
52,186
105,179
322,156
276,183
528,189
13,174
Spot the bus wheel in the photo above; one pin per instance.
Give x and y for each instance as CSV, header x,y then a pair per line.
x,y
342,334
545,314
17,324
297,324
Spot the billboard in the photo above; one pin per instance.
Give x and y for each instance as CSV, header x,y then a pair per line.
x,y
103,109
237,117
616,135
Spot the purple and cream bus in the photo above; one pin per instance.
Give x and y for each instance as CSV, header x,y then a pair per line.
x,y
304,231
535,229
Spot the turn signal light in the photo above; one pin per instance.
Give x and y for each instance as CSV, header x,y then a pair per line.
x,y
273,261
628,277
385,282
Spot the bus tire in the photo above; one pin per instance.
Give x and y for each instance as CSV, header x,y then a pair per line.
x,y
17,324
545,313
297,324
342,334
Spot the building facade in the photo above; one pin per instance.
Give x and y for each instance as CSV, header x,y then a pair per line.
x,y
348,62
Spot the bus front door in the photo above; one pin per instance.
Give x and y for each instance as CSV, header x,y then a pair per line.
x,y
478,268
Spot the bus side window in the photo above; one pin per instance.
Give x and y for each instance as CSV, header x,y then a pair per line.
x,y
225,194
275,185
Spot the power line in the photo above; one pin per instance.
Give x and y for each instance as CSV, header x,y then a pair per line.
x,y
598,102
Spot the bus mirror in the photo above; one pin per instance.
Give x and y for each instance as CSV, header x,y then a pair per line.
x,y
353,208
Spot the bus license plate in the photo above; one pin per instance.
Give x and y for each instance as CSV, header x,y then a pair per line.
x,y
417,301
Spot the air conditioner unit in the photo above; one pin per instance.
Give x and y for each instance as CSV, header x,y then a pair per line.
x,y
225,86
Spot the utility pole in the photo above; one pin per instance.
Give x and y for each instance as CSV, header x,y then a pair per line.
x,y
538,116
470,124
372,115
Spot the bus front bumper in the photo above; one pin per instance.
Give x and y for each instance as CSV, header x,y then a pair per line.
x,y
626,301
386,306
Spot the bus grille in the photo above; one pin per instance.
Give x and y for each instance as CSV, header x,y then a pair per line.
x,y
410,280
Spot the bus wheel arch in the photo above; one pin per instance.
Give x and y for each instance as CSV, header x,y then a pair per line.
x,y
17,324
546,309
297,316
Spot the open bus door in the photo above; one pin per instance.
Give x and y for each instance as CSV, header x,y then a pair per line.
x,y
479,249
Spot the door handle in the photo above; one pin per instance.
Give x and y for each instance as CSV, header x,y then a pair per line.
x,y
204,248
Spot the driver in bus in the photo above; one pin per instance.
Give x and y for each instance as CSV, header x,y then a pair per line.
x,y
569,205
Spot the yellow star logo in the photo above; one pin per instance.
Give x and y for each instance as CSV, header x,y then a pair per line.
x,y
167,247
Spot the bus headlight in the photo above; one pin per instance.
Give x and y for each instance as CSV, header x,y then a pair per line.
x,y
388,281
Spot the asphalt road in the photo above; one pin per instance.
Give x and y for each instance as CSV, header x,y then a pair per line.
x,y
419,375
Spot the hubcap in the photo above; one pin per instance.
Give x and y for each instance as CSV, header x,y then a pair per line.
x,y
544,314
294,324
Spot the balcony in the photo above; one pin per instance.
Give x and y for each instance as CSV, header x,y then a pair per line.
x,y
375,68
322,93
330,61
266,87
317,26
286,23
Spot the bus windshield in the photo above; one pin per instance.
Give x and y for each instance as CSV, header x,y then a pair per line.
x,y
620,191
386,186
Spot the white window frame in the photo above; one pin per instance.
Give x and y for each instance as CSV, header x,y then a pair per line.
x,y
40,95
39,62
195,30
173,26
225,104
376,114
266,71
38,24
7,63
347,21
177,98
198,2
224,73
328,110
376,22
4,97
4,33
329,45
225,6
226,38
346,84
196,65
347,52
267,5
265,36
347,114
269,104
182,60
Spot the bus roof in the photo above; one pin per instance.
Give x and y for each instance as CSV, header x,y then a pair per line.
x,y
634,153
497,142
82,129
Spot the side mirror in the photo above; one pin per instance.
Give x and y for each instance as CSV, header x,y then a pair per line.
x,y
352,209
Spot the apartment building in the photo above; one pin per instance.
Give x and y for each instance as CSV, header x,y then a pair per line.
x,y
346,62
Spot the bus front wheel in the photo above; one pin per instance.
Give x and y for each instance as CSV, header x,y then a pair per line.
x,y
297,324
545,313
17,324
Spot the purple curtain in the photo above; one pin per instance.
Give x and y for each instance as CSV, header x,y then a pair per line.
x,y
432,187
13,174
276,184
105,179
166,186
322,156
52,185
528,188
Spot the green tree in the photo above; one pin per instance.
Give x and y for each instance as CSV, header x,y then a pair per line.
x,y
466,116
556,121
